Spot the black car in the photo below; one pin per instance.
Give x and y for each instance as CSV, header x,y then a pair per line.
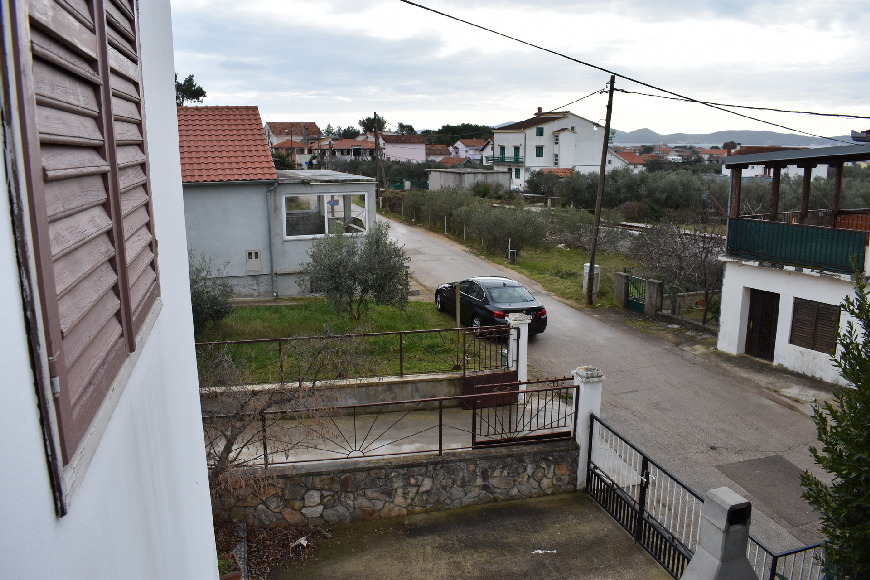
x,y
487,301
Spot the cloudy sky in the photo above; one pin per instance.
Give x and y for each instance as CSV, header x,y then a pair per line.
x,y
337,61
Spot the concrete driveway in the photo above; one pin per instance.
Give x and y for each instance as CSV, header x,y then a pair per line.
x,y
558,537
711,419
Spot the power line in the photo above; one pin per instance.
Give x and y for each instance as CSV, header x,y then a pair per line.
x,y
621,76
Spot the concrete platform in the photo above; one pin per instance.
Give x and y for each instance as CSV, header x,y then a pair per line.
x,y
563,536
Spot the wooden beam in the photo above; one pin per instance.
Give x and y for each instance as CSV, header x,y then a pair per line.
x,y
838,191
806,184
734,200
773,216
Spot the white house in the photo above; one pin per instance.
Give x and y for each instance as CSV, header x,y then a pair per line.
x,y
102,431
620,159
306,132
256,225
404,147
549,139
474,149
787,273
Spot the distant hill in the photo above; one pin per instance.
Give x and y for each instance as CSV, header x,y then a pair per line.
x,y
648,136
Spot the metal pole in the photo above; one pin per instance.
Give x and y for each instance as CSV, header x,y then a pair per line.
x,y
590,281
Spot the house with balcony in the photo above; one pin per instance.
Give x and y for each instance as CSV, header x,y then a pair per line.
x,y
306,132
474,149
329,150
786,273
546,140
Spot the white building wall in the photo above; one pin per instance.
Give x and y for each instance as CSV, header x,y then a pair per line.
x,y
741,277
790,170
142,507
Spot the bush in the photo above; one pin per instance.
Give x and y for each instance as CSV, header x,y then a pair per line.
x,y
210,293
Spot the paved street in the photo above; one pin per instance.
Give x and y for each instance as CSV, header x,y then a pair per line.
x,y
712,419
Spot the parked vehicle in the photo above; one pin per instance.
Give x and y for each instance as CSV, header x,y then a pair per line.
x,y
487,301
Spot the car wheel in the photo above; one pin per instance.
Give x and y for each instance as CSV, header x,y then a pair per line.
x,y
438,303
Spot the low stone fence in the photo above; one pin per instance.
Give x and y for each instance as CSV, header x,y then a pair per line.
x,y
361,489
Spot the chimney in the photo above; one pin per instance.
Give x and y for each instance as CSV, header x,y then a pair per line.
x,y
540,111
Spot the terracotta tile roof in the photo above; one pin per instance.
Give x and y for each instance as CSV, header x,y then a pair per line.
x,y
288,143
223,144
629,157
454,161
712,152
473,142
437,150
558,171
295,129
404,139
528,123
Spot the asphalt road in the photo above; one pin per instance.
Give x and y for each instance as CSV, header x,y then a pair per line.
x,y
712,419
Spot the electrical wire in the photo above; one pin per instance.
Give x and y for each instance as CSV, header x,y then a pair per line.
x,y
616,74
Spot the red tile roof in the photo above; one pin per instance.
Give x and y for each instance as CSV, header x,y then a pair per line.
x,y
347,144
473,142
288,143
437,150
454,161
223,144
528,123
629,157
559,171
404,139
295,129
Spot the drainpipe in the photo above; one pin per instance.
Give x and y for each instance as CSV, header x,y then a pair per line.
x,y
269,191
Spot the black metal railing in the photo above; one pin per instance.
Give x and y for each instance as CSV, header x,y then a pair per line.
x,y
798,245
663,513
505,158
366,355
543,411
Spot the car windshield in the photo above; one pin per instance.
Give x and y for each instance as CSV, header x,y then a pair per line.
x,y
510,294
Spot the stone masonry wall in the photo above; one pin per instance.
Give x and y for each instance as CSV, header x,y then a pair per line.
x,y
361,489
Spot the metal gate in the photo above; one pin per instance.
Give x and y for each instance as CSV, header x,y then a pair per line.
x,y
655,507
636,299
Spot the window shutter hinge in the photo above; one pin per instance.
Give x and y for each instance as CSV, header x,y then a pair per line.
x,y
54,377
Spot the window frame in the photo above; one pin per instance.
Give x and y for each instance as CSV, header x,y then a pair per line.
x,y
539,151
539,131
347,198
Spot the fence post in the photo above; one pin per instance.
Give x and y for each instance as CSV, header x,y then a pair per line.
x,y
722,539
652,297
620,288
521,322
401,354
641,501
589,381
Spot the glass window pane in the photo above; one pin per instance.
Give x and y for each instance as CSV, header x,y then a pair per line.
x,y
304,215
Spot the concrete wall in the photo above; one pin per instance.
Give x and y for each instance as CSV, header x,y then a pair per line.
x,y
141,508
442,178
224,221
365,489
741,277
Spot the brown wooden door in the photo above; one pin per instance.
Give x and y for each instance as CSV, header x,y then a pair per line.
x,y
761,324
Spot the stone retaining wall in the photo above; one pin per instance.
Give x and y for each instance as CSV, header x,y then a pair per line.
x,y
361,489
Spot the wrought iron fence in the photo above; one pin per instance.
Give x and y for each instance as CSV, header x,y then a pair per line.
x,y
365,355
663,513
542,411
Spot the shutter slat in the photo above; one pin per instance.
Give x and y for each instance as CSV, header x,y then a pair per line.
x,y
72,268
90,191
84,375
132,177
136,221
123,65
85,332
127,133
123,88
60,24
62,127
130,155
51,50
64,162
78,301
137,242
125,110
57,88
69,233
79,10
133,200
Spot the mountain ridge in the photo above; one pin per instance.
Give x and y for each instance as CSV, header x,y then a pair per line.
x,y
759,138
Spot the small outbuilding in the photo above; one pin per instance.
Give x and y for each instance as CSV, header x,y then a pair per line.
x,y
467,177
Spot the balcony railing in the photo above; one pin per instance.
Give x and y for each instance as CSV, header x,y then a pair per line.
x,y
505,158
798,245
847,219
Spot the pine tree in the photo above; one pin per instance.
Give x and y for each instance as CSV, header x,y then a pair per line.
x,y
844,432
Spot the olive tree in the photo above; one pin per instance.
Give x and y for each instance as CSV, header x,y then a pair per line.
x,y
210,292
355,271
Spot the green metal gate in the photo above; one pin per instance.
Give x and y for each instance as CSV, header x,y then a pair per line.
x,y
636,299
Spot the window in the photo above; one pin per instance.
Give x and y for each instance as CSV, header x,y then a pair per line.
x,y
89,198
516,152
556,159
517,173
539,131
539,151
501,151
319,214
556,139
572,127
814,325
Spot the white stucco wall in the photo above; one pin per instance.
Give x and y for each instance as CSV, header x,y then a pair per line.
x,y
142,508
741,277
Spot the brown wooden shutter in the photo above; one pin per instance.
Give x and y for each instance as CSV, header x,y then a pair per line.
x,y
89,194
815,325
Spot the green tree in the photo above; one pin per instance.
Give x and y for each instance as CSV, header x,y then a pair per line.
x,y
354,271
188,91
369,123
210,292
406,129
844,433
450,134
282,160
348,132
330,131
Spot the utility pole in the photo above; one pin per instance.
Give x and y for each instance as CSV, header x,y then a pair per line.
x,y
378,161
590,281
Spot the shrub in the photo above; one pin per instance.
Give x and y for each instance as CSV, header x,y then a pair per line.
x,y
210,293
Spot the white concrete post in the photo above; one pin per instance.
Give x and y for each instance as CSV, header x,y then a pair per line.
x,y
521,322
590,381
723,538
